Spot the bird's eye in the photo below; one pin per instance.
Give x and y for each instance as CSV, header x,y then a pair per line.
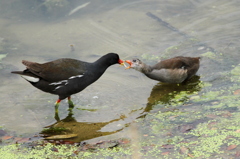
x,y
134,60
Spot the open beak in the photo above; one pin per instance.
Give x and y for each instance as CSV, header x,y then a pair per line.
x,y
130,64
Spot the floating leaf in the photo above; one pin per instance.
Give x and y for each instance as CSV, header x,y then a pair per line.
x,y
172,117
236,92
124,141
7,137
190,155
21,140
54,137
17,138
68,142
76,152
231,147
238,131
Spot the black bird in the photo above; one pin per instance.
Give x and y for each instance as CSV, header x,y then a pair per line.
x,y
66,76
174,70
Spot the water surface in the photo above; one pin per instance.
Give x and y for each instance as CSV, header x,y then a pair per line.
x,y
32,32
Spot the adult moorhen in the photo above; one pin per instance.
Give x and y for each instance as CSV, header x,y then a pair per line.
x,y
65,76
174,70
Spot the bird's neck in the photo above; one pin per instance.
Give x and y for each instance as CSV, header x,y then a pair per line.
x,y
102,61
146,68
100,65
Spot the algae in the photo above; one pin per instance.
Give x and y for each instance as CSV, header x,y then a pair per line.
x,y
209,54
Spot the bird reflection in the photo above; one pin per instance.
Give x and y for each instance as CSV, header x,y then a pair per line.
x,y
166,94
161,94
71,130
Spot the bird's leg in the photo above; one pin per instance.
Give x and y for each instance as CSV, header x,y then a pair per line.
x,y
56,109
70,103
57,116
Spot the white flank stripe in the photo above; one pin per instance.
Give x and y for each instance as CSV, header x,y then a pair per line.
x,y
30,79
57,88
60,82
78,76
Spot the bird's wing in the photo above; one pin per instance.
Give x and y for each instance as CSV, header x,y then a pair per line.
x,y
177,63
57,70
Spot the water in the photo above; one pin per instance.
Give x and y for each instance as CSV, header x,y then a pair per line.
x,y
32,31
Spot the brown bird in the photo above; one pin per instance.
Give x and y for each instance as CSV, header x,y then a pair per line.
x,y
174,70
65,76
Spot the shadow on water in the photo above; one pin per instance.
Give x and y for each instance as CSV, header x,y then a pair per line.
x,y
169,94
72,130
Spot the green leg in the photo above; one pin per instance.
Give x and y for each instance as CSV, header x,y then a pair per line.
x,y
56,109
57,105
57,116
70,103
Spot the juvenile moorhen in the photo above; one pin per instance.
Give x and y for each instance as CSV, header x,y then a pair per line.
x,y
65,76
174,70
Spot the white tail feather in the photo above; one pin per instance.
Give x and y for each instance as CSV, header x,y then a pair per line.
x,y
30,79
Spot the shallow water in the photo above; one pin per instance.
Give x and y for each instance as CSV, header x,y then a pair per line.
x,y
119,96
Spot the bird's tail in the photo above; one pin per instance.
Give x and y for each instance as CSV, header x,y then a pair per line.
x,y
18,72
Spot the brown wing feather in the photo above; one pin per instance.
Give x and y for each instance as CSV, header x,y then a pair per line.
x,y
57,70
36,67
177,62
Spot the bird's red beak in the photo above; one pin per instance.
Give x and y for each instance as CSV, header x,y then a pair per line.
x,y
121,62
130,64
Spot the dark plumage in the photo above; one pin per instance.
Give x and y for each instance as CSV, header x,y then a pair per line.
x,y
174,70
65,76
